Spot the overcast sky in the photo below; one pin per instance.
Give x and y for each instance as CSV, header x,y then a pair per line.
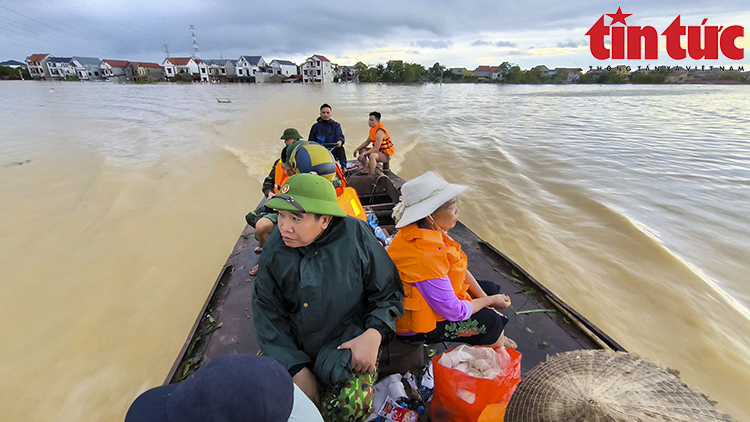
x,y
456,34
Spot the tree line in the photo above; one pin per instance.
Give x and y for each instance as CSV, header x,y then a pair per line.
x,y
398,71
9,73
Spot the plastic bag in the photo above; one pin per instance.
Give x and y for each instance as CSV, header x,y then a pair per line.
x,y
461,397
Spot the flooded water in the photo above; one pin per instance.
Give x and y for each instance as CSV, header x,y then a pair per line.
x,y
632,203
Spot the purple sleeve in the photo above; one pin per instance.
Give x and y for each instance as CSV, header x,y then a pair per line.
x,y
439,294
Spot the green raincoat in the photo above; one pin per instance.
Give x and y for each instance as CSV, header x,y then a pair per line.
x,y
308,301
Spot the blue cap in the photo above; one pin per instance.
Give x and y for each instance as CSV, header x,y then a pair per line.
x,y
240,388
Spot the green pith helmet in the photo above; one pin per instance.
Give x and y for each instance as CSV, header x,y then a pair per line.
x,y
291,133
308,193
288,151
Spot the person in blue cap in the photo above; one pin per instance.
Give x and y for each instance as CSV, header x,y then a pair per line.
x,y
230,388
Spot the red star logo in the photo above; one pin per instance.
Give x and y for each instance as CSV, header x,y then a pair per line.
x,y
619,17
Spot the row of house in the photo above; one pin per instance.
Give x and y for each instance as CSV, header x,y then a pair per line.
x,y
316,69
487,73
46,66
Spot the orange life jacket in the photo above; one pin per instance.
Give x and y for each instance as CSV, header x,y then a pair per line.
x,y
386,146
348,200
340,174
279,177
422,254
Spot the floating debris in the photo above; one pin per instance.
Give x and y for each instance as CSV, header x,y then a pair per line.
x,y
533,311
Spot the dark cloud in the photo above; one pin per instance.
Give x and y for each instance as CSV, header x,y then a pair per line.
x,y
137,29
434,44
412,52
571,44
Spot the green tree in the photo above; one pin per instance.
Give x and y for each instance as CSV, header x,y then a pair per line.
x,y
414,73
436,71
515,75
394,71
381,71
610,78
649,77
504,70
14,74
560,77
368,75
359,66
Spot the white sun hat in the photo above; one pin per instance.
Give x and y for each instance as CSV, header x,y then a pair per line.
x,y
420,197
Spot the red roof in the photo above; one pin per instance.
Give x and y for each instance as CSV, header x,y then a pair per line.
x,y
322,58
179,61
36,57
487,68
116,63
153,65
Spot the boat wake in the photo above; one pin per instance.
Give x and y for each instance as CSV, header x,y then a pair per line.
x,y
709,281
255,168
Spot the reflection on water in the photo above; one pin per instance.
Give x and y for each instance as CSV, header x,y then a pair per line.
x,y
630,202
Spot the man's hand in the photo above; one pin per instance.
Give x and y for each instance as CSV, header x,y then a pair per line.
x,y
338,144
364,351
356,151
270,195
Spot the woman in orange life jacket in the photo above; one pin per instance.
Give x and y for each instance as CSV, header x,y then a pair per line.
x,y
443,301
382,148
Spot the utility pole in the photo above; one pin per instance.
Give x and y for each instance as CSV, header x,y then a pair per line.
x,y
196,55
166,49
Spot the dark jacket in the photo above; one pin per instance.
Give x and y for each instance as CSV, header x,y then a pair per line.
x,y
307,301
326,133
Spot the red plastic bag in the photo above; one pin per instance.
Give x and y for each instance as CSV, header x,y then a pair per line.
x,y
454,390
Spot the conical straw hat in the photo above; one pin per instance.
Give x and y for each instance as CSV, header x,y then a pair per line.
x,y
602,385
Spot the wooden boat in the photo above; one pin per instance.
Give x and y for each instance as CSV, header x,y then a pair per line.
x,y
540,322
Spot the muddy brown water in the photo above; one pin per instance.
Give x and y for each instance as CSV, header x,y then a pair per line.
x,y
632,203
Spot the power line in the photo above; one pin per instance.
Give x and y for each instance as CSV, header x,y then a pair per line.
x,y
68,43
22,41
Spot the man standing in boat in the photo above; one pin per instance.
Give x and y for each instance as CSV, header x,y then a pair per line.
x,y
325,299
328,133
377,147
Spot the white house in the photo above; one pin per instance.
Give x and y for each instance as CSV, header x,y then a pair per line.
x,y
144,71
88,68
61,67
174,66
37,65
283,67
317,69
114,70
252,69
218,69
202,70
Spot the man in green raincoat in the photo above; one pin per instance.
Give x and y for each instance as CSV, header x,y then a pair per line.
x,y
326,298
